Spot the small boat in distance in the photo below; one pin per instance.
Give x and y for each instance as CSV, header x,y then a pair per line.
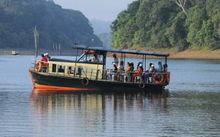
x,y
86,74
13,52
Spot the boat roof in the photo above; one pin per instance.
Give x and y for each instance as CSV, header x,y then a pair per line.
x,y
125,51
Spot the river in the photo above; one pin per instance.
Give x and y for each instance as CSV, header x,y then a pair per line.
x,y
189,106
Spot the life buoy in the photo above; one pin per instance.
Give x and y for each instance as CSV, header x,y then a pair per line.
x,y
38,66
168,76
141,85
158,78
85,81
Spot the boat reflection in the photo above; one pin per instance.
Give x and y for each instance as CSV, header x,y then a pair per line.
x,y
48,102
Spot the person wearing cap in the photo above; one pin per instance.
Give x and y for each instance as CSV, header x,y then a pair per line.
x,y
43,59
47,56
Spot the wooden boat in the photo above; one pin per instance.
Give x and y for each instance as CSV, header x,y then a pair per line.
x,y
81,74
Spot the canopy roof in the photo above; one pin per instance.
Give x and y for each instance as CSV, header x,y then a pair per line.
x,y
125,51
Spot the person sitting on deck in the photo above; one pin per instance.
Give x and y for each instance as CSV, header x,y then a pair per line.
x,y
164,68
160,68
132,66
137,72
152,69
121,66
128,71
94,58
148,73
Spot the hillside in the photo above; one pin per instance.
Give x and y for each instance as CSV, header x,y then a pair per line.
x,y
55,25
106,39
168,24
100,26
102,30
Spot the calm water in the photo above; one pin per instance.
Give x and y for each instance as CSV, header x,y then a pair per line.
x,y
191,107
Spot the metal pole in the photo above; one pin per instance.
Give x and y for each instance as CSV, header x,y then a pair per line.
x,y
36,37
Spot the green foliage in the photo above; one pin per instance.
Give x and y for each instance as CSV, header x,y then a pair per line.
x,y
162,24
54,24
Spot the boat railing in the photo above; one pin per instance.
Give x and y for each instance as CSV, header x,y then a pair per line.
x,y
157,78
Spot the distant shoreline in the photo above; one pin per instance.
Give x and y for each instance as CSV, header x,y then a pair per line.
x,y
195,54
187,54
32,52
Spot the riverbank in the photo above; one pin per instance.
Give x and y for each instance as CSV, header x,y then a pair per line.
x,y
187,54
194,54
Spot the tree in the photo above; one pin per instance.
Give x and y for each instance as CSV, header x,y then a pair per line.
x,y
161,24
182,4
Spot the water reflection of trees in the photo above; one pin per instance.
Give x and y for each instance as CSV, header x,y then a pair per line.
x,y
95,112
45,102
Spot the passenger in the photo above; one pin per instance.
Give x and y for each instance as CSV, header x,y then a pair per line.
x,y
138,72
164,68
132,66
47,56
149,67
115,59
70,70
152,69
115,72
94,58
43,59
146,74
115,68
138,64
160,68
121,70
121,66
61,69
128,71
41,65
128,68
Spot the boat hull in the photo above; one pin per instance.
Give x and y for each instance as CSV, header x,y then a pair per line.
x,y
47,81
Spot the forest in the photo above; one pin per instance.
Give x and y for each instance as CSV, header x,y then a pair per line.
x,y
55,25
168,24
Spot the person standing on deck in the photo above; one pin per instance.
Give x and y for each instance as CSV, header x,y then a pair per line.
x,y
43,59
41,64
160,67
115,59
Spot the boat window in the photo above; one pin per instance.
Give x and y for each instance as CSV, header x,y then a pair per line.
x,y
61,69
54,66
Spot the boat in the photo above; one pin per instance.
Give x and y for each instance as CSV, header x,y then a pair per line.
x,y
13,52
82,74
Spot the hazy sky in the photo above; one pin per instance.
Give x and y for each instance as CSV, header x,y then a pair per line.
x,y
106,10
